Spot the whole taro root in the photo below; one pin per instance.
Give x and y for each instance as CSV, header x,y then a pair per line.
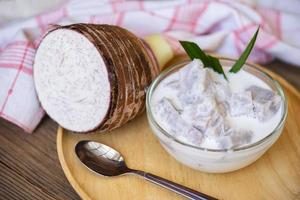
x,y
93,77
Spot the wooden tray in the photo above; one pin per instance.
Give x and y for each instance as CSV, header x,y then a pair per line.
x,y
276,175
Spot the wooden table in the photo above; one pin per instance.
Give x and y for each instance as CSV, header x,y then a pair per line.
x,y
29,166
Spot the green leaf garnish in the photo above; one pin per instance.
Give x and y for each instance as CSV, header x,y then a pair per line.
x,y
241,61
194,51
217,65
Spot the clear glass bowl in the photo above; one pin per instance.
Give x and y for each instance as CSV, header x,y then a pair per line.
x,y
216,160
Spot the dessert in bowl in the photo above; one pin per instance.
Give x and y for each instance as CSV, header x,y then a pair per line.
x,y
212,124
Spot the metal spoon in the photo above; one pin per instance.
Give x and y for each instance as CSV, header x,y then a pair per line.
x,y
105,160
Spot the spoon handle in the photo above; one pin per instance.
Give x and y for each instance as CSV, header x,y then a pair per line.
x,y
179,189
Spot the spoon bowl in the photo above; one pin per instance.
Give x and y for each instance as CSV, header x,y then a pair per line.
x,y
101,158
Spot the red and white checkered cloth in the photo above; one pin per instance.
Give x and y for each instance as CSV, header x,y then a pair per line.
x,y
219,26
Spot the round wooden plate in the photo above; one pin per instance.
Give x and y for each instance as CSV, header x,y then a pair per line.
x,y
276,175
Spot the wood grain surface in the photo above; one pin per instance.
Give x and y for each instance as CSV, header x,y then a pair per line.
x,y
29,166
275,176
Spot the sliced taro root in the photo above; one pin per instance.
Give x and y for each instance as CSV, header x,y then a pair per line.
x,y
241,138
266,102
91,77
193,81
241,104
236,139
175,124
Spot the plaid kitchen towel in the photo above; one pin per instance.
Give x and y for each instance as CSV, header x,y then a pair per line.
x,y
218,26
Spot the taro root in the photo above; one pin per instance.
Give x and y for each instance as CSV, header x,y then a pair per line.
x,y
93,77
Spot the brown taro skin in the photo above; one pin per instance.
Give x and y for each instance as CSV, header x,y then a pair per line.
x,y
131,67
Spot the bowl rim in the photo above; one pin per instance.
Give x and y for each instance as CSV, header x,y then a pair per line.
x,y
178,65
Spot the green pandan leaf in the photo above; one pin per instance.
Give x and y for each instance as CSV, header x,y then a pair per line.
x,y
241,61
194,51
217,65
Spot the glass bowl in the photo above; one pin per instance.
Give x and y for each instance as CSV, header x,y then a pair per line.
x,y
216,160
